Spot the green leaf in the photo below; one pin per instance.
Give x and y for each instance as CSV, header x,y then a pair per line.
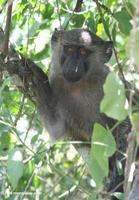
x,y
109,3
123,19
92,197
15,167
2,2
99,29
114,103
78,20
7,142
36,181
91,23
106,25
119,195
103,146
47,10
137,50
114,33
135,121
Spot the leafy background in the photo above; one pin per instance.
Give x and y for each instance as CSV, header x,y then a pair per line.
x,y
31,167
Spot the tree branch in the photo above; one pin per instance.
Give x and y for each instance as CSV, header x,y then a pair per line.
x,y
129,165
14,66
76,9
78,6
134,193
7,28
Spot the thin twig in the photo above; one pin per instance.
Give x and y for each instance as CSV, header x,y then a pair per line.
x,y
117,186
20,110
30,124
58,12
28,28
79,182
17,134
127,8
129,161
78,6
76,9
7,28
22,195
3,6
134,193
105,8
131,187
110,38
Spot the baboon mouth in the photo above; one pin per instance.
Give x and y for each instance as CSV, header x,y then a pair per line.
x,y
73,74
72,77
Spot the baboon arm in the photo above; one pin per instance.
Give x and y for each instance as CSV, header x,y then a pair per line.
x,y
43,94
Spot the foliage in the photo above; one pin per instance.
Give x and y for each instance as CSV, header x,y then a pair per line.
x,y
31,167
114,92
103,147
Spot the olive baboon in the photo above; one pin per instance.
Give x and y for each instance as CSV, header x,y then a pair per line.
x,y
69,100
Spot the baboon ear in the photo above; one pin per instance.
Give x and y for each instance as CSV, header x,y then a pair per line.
x,y
54,37
108,50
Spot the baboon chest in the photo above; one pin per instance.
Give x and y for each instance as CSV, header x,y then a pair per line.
x,y
80,106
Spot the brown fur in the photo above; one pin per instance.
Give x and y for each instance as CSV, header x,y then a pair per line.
x,y
69,110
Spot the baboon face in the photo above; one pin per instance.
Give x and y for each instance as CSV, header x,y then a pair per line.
x,y
79,51
74,62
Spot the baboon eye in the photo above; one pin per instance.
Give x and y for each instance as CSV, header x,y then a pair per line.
x,y
70,49
83,51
